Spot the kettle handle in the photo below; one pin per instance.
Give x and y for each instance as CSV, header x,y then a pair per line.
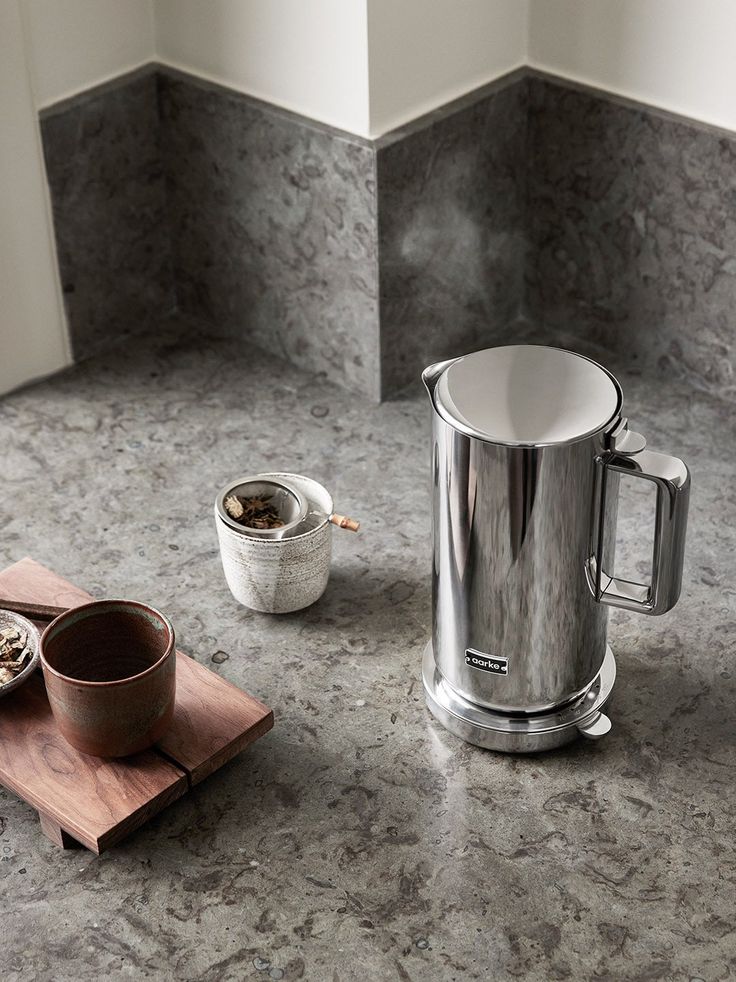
x,y
672,481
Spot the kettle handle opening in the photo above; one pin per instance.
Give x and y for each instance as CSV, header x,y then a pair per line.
x,y
672,481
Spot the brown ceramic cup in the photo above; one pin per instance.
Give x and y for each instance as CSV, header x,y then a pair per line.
x,y
110,673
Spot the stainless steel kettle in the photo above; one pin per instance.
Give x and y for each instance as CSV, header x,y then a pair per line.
x,y
529,443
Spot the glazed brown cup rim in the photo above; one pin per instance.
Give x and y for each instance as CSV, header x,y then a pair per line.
x,y
101,606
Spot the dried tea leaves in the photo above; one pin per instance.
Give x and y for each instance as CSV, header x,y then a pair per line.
x,y
14,652
254,513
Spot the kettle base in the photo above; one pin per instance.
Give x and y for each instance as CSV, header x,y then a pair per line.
x,y
518,734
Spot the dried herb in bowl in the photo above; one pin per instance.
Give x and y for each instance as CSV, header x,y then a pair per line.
x,y
14,652
254,513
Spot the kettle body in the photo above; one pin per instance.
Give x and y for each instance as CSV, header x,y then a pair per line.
x,y
509,581
528,444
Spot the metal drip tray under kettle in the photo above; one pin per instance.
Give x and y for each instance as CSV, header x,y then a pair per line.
x,y
521,733
528,446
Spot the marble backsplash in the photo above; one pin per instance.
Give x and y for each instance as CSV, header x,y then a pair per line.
x,y
273,221
632,230
532,208
451,195
361,260
105,174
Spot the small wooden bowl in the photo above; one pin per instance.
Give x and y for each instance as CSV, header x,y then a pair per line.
x,y
9,619
110,673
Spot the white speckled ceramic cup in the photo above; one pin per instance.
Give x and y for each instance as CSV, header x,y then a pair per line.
x,y
279,575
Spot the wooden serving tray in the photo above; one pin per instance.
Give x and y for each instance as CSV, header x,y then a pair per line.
x,y
95,802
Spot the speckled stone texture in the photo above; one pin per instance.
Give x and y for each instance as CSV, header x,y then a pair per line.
x,y
632,220
108,196
604,222
274,229
451,210
359,839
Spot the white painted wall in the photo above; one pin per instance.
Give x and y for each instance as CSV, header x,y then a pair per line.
x,y
362,65
74,44
33,337
310,56
369,65
423,53
676,54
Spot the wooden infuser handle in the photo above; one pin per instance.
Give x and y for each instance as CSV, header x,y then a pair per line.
x,y
343,522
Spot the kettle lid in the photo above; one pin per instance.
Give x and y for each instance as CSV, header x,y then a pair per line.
x,y
527,395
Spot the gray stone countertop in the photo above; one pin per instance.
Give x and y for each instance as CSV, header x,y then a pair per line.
x,y
359,840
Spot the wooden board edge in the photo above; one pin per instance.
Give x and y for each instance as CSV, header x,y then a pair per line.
x,y
98,843
143,814
233,748
42,808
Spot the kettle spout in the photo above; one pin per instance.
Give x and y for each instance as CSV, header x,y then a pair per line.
x,y
431,375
